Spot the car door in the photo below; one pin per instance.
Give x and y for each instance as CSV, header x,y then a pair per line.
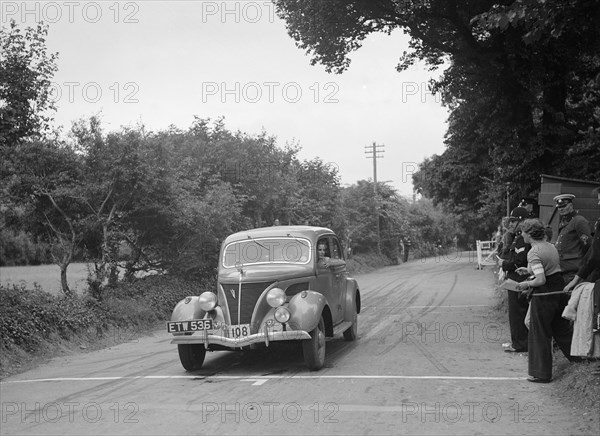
x,y
325,282
339,275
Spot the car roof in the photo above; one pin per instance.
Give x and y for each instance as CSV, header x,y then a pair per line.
x,y
310,232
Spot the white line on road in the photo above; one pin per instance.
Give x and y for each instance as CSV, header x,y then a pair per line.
x,y
257,381
435,306
267,377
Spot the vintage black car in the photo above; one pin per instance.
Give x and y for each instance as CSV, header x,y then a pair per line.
x,y
273,285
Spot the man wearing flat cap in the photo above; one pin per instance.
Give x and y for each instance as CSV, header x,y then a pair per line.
x,y
574,236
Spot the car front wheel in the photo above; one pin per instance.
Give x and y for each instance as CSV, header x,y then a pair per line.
x,y
314,348
191,356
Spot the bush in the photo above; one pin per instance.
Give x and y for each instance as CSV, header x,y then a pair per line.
x,y
19,248
160,293
28,316
130,312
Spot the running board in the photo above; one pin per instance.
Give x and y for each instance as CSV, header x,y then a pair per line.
x,y
341,328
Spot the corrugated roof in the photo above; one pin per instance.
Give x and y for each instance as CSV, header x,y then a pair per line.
x,y
566,179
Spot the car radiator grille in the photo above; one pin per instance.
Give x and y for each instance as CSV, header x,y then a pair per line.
x,y
250,294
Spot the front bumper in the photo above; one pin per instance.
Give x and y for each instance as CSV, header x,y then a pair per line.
x,y
261,337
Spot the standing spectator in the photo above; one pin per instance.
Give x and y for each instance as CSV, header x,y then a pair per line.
x,y
531,205
546,310
574,236
407,245
506,239
517,303
590,269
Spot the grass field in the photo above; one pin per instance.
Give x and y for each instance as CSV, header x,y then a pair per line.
x,y
47,276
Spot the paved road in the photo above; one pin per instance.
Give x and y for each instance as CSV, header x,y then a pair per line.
x,y
428,360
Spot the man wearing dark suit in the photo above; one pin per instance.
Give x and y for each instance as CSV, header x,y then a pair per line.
x,y
517,303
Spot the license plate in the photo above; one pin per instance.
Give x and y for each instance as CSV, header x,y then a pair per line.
x,y
189,326
239,331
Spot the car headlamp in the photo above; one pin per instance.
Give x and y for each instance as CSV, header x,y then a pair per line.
x,y
207,301
282,314
275,297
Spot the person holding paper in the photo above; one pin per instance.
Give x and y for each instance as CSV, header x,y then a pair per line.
x,y
546,309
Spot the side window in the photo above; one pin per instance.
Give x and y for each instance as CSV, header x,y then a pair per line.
x,y
336,251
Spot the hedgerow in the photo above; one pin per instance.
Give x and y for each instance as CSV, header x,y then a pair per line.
x,y
30,316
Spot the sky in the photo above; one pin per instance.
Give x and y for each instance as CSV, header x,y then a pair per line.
x,y
161,63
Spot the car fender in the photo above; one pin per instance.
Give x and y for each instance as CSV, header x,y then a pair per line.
x,y
352,297
305,309
187,309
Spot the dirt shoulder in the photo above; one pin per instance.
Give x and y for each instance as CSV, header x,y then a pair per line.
x,y
16,360
576,385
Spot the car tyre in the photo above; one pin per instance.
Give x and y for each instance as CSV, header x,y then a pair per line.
x,y
351,332
314,348
191,356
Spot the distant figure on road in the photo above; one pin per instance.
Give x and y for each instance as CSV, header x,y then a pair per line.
x,y
407,245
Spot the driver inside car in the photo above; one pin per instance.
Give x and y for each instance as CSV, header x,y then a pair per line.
x,y
323,253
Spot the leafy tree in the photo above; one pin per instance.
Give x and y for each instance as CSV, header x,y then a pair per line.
x,y
430,227
316,201
44,180
521,83
358,219
114,181
399,219
25,73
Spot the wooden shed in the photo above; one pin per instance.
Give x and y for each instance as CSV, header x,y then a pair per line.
x,y
585,201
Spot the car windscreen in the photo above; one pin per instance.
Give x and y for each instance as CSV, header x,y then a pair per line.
x,y
267,250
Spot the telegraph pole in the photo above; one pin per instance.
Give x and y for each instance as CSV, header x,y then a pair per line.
x,y
507,199
375,152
